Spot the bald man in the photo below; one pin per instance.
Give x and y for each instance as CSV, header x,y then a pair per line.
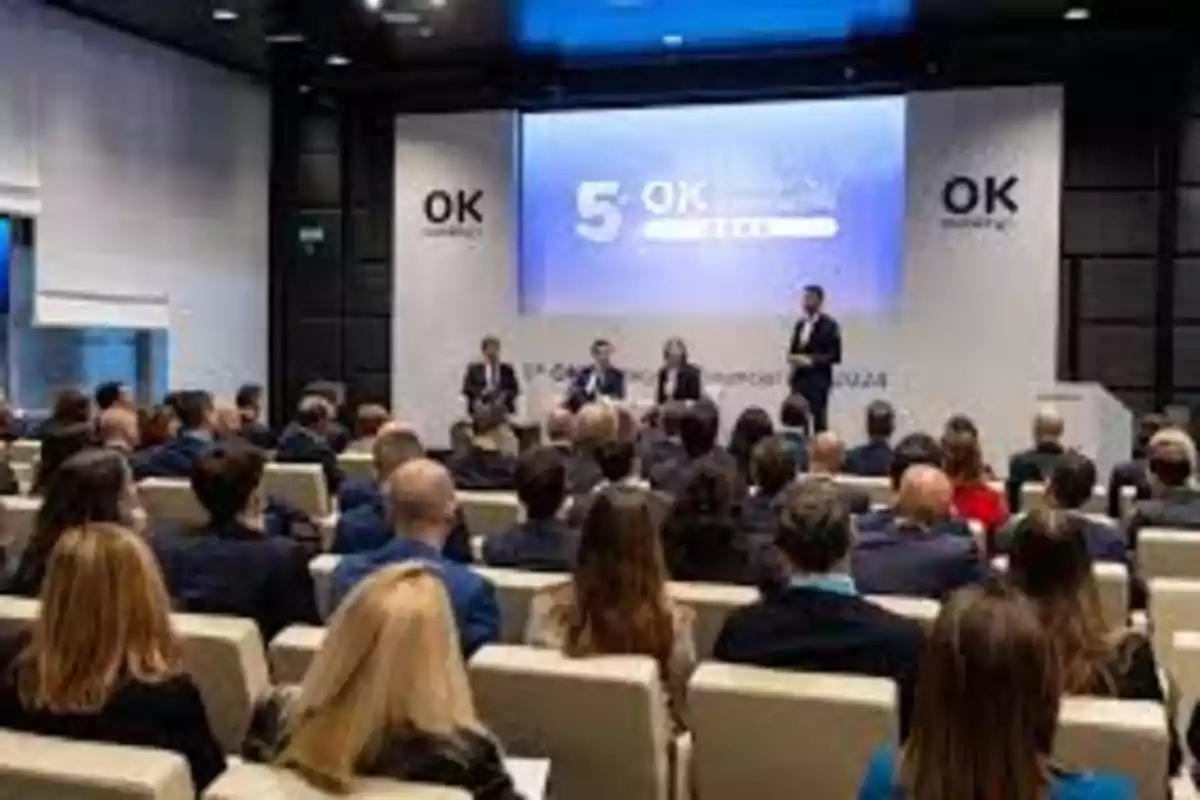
x,y
915,554
118,429
826,453
422,508
1036,464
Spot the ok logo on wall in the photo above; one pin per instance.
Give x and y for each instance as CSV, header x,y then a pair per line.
x,y
980,202
454,213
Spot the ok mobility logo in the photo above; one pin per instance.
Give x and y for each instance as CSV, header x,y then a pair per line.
x,y
454,213
985,202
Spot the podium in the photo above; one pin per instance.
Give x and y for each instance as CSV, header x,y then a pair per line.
x,y
1097,424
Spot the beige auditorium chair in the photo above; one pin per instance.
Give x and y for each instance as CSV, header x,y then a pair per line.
x,y
1167,553
602,722
1174,605
1128,737
17,518
712,603
25,451
292,650
918,609
321,569
300,486
489,513
243,781
878,489
1185,669
24,473
1112,583
44,768
776,735
514,591
357,465
1033,495
171,500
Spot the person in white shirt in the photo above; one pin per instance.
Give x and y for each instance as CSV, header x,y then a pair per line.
x,y
678,379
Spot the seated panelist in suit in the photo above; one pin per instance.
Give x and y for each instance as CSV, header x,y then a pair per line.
x,y
598,379
491,380
678,379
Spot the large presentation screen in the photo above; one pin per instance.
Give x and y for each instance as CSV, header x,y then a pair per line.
x,y
712,209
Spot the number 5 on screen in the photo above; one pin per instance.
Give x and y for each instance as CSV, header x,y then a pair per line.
x,y
597,204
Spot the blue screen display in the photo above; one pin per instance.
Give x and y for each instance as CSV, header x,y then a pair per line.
x,y
725,209
6,246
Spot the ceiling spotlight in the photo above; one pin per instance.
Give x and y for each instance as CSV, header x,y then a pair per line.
x,y
373,5
673,40
337,60
285,37
224,14
305,88
1077,14
437,3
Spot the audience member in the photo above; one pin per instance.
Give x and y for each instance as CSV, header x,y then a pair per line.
x,y
422,509
667,447
773,471
616,602
176,458
156,427
752,426
914,449
985,715
974,499
542,543
401,444
387,695
1036,464
873,459
12,425
336,434
698,433
915,554
92,486
249,403
368,420
1133,473
618,467
114,394
306,441
560,430
487,463
71,407
118,430
227,423
819,622
701,535
58,445
794,422
232,565
1175,500
826,453
101,663
595,424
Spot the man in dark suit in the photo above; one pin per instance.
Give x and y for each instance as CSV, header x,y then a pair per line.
x,y
249,405
617,460
542,543
598,379
914,555
485,464
873,459
232,565
1134,472
1036,464
815,350
175,458
698,433
825,455
912,450
336,434
490,381
666,446
306,441
819,621
1174,502
678,379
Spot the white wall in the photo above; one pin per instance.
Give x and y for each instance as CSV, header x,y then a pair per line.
x,y
974,330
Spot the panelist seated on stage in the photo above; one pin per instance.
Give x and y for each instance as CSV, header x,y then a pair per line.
x,y
678,379
597,380
488,463
491,380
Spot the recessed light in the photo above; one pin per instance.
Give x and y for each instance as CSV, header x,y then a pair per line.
x,y
285,37
425,32
673,40
337,60
305,88
373,5
223,14
1077,14
438,3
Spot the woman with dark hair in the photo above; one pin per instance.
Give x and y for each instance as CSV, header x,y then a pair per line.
x,y
701,532
60,443
71,406
987,704
616,602
678,379
752,426
93,486
974,499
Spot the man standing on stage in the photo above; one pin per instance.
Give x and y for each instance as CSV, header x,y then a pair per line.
x,y
816,347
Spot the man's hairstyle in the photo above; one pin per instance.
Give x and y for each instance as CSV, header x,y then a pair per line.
x,y
225,477
1147,426
961,423
192,406
313,410
774,465
794,412
541,480
881,420
107,394
673,412
615,459
1169,463
817,289
329,391
1072,480
488,417
596,345
491,340
368,419
814,527
916,448
698,428
248,395
559,427
393,448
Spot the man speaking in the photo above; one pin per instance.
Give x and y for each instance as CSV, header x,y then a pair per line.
x,y
816,348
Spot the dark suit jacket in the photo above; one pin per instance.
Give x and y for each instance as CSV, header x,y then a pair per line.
x,y
611,384
1129,473
173,459
660,449
856,501
355,492
814,630
672,476
300,446
1175,508
230,569
259,435
365,527
903,559
479,468
475,388
824,346
798,443
687,384
1029,466
871,460
658,503
538,545
583,473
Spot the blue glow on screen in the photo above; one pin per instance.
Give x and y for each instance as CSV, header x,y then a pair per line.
x,y
5,261
597,25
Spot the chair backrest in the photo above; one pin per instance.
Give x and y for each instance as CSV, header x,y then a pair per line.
x,y
357,465
17,518
257,782
1128,737
1167,553
25,451
1185,669
24,473
919,609
45,768
301,486
769,734
878,489
1112,584
488,513
171,500
712,603
1174,606
514,591
602,721
321,569
1033,495
292,650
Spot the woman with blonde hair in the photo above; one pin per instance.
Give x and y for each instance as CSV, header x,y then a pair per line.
x,y
616,602
100,663
987,703
386,696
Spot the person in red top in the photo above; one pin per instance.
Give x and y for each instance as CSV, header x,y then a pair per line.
x,y
974,499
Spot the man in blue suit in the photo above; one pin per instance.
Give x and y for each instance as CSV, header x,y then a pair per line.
x,y
598,379
305,442
422,507
873,459
176,458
